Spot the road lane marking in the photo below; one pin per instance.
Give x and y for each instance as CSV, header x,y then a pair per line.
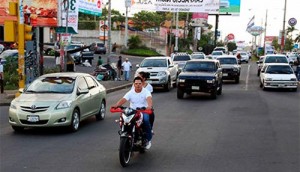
x,y
247,78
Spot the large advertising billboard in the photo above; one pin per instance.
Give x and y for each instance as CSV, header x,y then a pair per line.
x,y
208,6
230,7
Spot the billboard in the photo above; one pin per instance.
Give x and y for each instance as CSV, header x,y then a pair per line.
x,y
208,6
93,7
230,7
43,12
199,19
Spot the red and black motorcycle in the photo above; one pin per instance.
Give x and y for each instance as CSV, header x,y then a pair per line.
x,y
132,136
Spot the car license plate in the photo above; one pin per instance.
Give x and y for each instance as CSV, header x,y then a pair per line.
x,y
33,118
225,74
195,88
280,85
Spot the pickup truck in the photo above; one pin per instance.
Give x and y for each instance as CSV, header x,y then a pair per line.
x,y
163,72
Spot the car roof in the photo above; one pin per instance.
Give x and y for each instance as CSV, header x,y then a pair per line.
x,y
278,64
226,56
158,57
203,60
66,74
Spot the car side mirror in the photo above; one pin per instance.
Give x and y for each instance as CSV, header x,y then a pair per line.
x,y
137,65
84,91
21,90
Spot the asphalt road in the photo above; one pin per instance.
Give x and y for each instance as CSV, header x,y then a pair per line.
x,y
245,129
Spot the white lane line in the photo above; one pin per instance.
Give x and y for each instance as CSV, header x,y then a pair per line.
x,y
247,78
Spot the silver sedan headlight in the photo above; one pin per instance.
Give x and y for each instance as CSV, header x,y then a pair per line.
x,y
211,81
64,104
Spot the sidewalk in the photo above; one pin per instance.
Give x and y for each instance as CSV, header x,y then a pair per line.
x,y
110,86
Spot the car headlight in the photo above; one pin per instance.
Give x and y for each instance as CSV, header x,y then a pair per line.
x,y
268,79
12,106
181,80
64,104
235,69
162,73
211,81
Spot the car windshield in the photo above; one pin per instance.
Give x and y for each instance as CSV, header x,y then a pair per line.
x,y
154,63
216,53
197,56
199,67
227,61
100,45
181,58
61,85
279,70
276,59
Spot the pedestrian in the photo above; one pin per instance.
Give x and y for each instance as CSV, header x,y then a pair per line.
x,y
126,68
70,63
1,77
100,61
119,67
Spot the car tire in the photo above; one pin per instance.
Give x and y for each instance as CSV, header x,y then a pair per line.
x,y
17,128
75,121
258,73
101,114
180,93
237,80
294,89
213,94
167,86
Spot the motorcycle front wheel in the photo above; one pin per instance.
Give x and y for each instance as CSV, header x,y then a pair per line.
x,y
125,150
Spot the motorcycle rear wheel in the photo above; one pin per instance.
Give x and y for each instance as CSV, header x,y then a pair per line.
x,y
125,151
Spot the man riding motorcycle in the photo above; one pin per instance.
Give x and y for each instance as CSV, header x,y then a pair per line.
x,y
139,97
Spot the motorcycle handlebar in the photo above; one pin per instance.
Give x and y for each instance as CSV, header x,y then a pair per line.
x,y
121,109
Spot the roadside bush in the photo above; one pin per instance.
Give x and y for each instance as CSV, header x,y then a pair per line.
x,y
51,53
11,79
143,52
51,70
134,42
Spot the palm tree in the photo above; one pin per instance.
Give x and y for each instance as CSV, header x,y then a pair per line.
x,y
290,30
297,39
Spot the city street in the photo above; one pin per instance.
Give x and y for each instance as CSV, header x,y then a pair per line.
x,y
245,129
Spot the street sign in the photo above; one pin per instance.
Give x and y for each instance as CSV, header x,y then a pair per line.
x,y
292,21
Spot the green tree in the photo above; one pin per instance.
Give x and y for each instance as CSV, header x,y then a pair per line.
x,y
290,31
289,45
297,39
231,46
134,42
145,19
275,44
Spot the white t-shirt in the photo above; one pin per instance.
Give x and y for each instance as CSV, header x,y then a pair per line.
x,y
148,87
137,99
126,66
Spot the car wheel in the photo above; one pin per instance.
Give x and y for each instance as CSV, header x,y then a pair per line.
x,y
180,93
167,86
213,94
101,114
237,80
258,73
75,121
17,129
294,89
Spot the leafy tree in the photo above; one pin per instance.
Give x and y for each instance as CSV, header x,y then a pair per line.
x,y
290,31
289,45
231,46
297,39
145,19
134,42
275,44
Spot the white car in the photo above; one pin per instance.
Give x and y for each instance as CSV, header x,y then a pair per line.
x,y
278,75
215,54
244,57
181,59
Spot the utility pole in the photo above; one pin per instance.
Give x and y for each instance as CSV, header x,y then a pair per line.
x,y
127,4
109,29
283,29
176,36
265,32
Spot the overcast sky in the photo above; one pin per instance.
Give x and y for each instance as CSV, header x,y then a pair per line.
x,y
237,24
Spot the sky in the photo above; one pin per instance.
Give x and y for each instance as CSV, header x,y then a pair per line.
x,y
249,8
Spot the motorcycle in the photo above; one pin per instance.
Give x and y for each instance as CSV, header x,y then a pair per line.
x,y
105,72
132,136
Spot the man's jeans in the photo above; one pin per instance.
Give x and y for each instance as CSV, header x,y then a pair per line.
x,y
147,126
126,75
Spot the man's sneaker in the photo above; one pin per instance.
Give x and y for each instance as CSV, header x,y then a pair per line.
x,y
148,145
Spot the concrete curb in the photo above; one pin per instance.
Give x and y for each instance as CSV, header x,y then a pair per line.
x,y
10,97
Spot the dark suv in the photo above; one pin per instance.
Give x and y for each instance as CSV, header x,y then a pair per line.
x,y
230,68
100,48
200,75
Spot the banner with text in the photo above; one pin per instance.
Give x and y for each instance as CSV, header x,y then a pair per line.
x,y
72,15
91,7
208,6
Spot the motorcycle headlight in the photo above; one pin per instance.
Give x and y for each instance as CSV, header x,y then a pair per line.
x,y
64,104
162,73
211,81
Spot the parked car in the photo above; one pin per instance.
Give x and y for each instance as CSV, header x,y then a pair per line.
x,y
180,59
244,57
200,75
278,75
99,48
259,64
58,99
230,68
9,54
